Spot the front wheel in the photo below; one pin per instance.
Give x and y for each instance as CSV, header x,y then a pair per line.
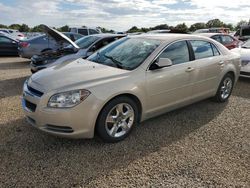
x,y
117,119
225,88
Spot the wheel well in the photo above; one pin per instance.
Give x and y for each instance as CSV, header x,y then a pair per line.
x,y
46,49
135,99
232,74
131,96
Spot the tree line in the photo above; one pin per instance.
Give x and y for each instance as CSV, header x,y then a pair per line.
x,y
180,27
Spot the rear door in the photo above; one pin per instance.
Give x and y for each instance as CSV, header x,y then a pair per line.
x,y
8,46
209,64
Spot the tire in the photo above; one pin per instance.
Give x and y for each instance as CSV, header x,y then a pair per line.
x,y
224,91
117,119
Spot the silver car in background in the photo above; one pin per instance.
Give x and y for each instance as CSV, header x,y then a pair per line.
x,y
128,81
244,51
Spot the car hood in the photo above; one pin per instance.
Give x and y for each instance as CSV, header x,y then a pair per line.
x,y
58,36
71,74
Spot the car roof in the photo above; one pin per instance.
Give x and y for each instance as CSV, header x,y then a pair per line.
x,y
104,35
170,37
72,33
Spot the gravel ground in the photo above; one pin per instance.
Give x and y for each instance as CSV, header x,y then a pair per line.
x,y
203,145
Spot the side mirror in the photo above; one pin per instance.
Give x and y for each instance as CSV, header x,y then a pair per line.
x,y
161,63
164,62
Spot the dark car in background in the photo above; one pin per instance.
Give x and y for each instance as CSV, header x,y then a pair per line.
x,y
8,46
243,33
43,43
86,46
227,40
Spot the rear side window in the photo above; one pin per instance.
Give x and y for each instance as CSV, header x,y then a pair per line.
x,y
202,49
215,50
92,31
226,39
83,31
217,38
177,52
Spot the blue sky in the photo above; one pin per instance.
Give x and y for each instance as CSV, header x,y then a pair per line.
x,y
121,14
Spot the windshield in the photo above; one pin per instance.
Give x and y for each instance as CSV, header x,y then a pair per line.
x,y
126,53
86,42
246,44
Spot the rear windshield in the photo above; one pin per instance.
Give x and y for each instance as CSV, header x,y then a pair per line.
x,y
87,41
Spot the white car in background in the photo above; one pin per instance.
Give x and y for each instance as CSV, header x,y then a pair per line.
x,y
244,51
13,33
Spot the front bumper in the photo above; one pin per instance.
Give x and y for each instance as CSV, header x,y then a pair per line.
x,y
76,122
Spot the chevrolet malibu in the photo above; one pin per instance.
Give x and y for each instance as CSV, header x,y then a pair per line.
x,y
127,82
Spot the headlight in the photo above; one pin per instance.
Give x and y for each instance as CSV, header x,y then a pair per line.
x,y
68,99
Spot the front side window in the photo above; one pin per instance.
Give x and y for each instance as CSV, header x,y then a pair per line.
x,y
126,53
177,52
202,49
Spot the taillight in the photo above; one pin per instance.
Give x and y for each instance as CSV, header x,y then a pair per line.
x,y
24,44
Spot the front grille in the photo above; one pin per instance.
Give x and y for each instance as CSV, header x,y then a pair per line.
x,y
30,106
61,129
34,91
245,73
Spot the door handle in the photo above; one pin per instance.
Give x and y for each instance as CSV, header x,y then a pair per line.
x,y
221,63
189,69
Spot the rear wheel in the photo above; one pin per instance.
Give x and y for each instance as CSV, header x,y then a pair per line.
x,y
117,119
225,88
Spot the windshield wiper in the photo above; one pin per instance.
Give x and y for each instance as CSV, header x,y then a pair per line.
x,y
117,63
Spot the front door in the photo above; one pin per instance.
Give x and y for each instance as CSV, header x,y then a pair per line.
x,y
167,87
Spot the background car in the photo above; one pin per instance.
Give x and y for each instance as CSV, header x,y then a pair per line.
x,y
243,33
8,46
213,30
85,30
43,43
227,40
14,33
87,46
244,51
126,82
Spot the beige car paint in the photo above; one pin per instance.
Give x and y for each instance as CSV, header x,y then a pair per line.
x,y
158,91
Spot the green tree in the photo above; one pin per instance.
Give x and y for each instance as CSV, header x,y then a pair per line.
x,y
197,26
159,27
64,28
38,28
24,28
3,26
180,28
15,26
241,23
214,23
134,29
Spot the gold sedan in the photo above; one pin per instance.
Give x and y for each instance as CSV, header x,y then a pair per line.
x,y
126,82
